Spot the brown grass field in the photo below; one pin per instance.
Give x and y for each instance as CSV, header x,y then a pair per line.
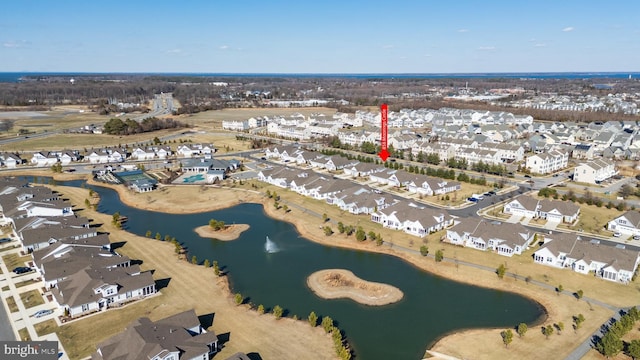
x,y
31,298
245,324
213,119
24,334
45,327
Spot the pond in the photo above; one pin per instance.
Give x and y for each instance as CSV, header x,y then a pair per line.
x,y
274,272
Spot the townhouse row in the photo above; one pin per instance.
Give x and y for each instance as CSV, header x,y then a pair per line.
x,y
413,183
413,219
75,262
106,155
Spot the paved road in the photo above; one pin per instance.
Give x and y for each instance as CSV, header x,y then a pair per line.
x,y
6,331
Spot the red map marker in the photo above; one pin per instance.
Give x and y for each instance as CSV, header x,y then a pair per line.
x,y
384,153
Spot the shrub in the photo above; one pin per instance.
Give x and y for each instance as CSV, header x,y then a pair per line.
x,y
278,311
238,299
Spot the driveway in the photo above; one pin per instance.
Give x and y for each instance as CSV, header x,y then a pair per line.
x,y
514,219
551,225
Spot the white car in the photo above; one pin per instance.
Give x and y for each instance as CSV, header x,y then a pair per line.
x,y
42,313
617,234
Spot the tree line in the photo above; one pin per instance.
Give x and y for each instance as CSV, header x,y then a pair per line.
x,y
116,126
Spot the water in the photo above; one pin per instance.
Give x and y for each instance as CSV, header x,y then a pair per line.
x,y
270,247
432,306
15,76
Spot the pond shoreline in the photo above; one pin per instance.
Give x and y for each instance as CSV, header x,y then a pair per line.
x,y
234,197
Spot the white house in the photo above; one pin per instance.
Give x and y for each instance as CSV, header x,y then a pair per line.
x,y
503,238
611,263
594,172
627,223
545,163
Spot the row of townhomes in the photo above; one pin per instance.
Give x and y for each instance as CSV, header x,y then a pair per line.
x,y
503,238
75,262
594,171
507,239
106,155
414,183
470,135
613,263
413,219
550,210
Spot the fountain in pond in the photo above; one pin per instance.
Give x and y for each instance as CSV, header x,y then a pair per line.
x,y
270,246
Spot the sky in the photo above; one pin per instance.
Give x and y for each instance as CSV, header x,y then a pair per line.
x,y
285,36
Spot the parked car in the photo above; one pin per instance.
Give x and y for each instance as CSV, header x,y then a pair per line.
x,y
22,270
42,313
5,240
636,237
617,234
472,199
527,176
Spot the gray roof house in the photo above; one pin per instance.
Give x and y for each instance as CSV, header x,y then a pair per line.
x,y
180,336
613,263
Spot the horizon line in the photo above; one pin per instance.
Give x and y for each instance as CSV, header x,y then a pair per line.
x,y
321,73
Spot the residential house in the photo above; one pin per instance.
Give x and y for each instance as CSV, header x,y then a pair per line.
x,y
582,151
545,163
594,172
550,210
412,219
44,158
627,223
504,238
613,263
10,160
558,211
95,289
179,337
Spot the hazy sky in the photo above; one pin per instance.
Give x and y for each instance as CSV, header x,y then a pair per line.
x,y
283,36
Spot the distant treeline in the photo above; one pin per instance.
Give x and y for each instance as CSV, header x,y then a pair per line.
x,y
201,93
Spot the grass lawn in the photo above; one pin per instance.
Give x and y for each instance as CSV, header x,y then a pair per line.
x,y
5,288
11,302
31,298
14,260
46,327
9,248
27,282
594,219
24,334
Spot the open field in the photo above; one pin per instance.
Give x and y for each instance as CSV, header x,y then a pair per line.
x,y
58,119
84,141
213,119
307,221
